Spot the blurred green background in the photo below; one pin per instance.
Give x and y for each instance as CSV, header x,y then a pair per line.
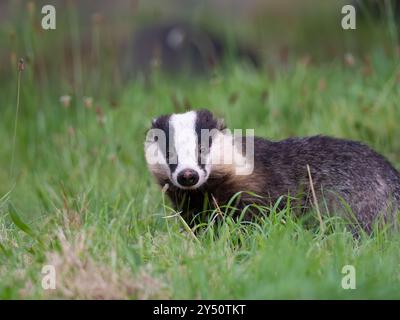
x,y
92,38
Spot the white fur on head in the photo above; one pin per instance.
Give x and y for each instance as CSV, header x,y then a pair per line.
x,y
185,142
226,154
153,153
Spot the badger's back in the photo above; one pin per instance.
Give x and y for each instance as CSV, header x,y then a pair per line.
x,y
342,171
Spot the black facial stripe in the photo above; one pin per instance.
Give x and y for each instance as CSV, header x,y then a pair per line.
x,y
169,151
204,120
171,155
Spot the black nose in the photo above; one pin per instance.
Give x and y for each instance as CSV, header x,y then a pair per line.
x,y
188,177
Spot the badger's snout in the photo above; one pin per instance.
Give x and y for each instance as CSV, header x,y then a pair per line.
x,y
188,178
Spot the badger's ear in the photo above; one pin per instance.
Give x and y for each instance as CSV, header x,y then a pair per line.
x,y
153,122
221,124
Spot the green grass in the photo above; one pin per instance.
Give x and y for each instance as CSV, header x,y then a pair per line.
x,y
76,176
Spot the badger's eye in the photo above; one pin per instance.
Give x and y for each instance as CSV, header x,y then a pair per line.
x,y
202,149
170,154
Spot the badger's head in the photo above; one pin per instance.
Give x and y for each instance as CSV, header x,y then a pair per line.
x,y
178,147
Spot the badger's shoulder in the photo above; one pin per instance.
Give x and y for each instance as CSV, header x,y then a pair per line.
x,y
319,145
322,152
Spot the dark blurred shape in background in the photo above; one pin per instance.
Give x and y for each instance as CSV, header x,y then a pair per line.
x,y
378,9
180,47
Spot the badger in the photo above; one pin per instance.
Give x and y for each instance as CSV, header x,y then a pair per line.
x,y
200,163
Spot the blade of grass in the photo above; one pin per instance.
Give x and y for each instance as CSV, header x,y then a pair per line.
x,y
315,201
16,219
21,67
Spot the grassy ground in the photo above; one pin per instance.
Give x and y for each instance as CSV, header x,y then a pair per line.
x,y
81,199
77,195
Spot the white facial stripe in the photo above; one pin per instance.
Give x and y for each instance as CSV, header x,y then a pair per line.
x,y
185,143
185,139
